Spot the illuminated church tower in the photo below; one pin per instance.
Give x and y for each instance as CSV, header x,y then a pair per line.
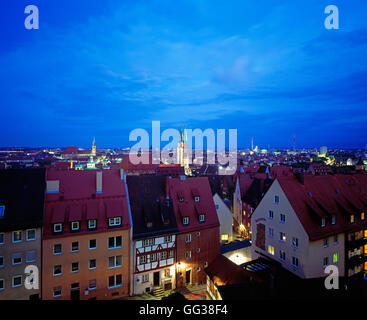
x,y
182,152
94,148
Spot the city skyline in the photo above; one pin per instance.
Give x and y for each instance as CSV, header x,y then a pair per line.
x,y
271,71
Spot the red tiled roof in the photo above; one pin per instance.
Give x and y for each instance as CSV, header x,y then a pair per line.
x,y
188,208
324,196
128,166
78,200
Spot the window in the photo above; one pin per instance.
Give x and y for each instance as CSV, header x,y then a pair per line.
x,y
188,238
271,232
2,238
58,227
282,237
282,218
323,222
282,255
167,273
1,261
202,218
198,234
57,292
92,285
271,214
188,254
92,244
57,270
352,218
115,281
75,246
336,239
362,216
224,237
185,220
197,199
271,250
153,257
326,262
30,256
276,199
57,249
115,262
295,262
2,210
113,222
148,242
295,242
17,236
163,255
31,234
326,243
171,254
75,267
115,242
167,238
335,257
17,281
75,226
143,259
145,277
198,250
92,264
2,284
92,224
205,264
149,224
333,220
17,258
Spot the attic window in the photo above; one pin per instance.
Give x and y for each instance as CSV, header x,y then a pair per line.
x,y
113,222
197,199
2,210
202,218
75,226
185,220
58,227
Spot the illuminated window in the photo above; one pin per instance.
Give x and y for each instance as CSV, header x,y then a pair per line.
x,y
188,254
271,250
2,209
282,236
335,257
145,277
352,218
224,237
362,216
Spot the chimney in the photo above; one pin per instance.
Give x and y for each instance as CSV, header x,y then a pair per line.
x,y
122,173
99,181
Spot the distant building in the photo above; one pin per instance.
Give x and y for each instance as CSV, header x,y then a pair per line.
x,y
21,215
323,151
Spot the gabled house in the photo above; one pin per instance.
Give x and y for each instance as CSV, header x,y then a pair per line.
x,y
198,228
154,234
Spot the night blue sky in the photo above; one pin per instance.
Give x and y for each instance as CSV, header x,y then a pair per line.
x,y
102,68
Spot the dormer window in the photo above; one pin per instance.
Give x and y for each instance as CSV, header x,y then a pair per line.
x,y
202,218
92,224
352,218
323,222
58,227
75,226
185,220
197,199
113,222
